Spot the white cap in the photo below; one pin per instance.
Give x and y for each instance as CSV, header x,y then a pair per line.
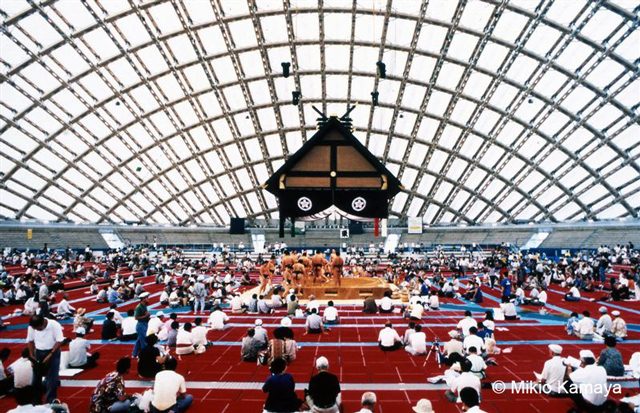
x,y
423,406
143,295
555,348
81,330
602,309
285,322
322,362
615,313
258,322
159,314
454,334
585,354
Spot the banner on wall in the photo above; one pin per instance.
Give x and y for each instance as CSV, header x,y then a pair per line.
x,y
414,225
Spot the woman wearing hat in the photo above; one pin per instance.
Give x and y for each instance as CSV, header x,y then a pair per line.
x,y
423,406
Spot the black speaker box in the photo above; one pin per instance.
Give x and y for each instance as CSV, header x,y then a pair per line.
x,y
236,226
355,227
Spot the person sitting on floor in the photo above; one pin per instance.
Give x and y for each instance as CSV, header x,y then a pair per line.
x,y
585,326
65,310
411,328
79,356
109,328
591,383
330,314
172,335
370,306
218,319
572,322
388,338
199,333
170,390
150,360
478,365
509,309
611,359
466,323
573,294
604,323
109,395
470,398
386,304
184,341
250,347
282,345
452,350
314,324
24,399
465,379
368,402
324,394
129,324
280,387
618,326
81,321
553,372
417,342
473,340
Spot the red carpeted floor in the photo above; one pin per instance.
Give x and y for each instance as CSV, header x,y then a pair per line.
x,y
352,354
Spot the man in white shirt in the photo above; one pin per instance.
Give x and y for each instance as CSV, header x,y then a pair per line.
x,y
386,304
24,399
218,319
79,356
199,333
155,323
368,402
466,379
417,342
591,380
585,327
260,336
473,340
573,294
184,340
466,323
170,390
553,371
64,308
408,332
604,324
330,315
44,338
237,305
478,366
388,338
22,371
129,324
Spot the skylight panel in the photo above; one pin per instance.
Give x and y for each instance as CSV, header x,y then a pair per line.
x,y
527,111
165,18
197,78
457,167
39,29
405,122
251,63
554,123
101,43
601,25
477,85
450,75
438,103
629,95
337,57
364,59
46,81
186,113
462,111
211,105
235,98
306,26
44,120
397,149
199,11
551,82
431,37
337,87
377,142
245,124
339,26
290,116
510,26
399,201
212,40
604,117
223,69
311,87
274,147
493,155
11,52
487,121
577,99
369,27
614,211
243,33
437,161
163,123
629,46
605,73
427,128
308,58
462,46
574,55
399,31
124,72
182,49
471,145
133,29
426,183
70,59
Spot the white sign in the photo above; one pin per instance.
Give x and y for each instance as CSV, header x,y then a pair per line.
x,y
414,225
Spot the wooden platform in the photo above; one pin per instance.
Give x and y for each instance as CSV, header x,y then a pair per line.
x,y
350,289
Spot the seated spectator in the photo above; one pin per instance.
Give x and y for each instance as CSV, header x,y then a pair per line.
x,y
129,324
324,394
109,328
330,315
79,356
465,379
411,328
199,333
368,402
81,321
261,335
618,326
423,406
24,399
434,301
184,341
172,335
218,319
604,323
470,398
611,359
292,305
263,306
370,306
452,351
539,299
65,310
466,323
282,345
280,387
237,306
150,360
252,306
478,366
473,340
417,342
553,372
585,326
22,371
573,294
509,309
109,395
386,304
314,323
170,390
572,321
591,382
388,338
250,347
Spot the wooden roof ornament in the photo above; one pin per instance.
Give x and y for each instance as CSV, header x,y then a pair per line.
x,y
333,169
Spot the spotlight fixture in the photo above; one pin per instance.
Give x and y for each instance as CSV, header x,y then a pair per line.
x,y
374,98
530,100
382,69
295,97
285,68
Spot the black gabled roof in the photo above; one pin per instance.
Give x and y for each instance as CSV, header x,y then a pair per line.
x,y
333,123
